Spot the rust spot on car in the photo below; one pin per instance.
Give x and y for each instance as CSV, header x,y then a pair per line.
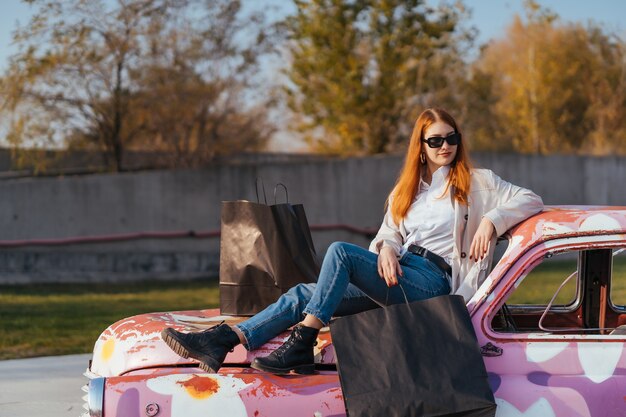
x,y
200,387
127,380
133,379
266,389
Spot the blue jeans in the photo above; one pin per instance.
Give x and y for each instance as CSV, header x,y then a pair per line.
x,y
348,284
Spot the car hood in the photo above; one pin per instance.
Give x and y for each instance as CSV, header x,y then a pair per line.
x,y
135,342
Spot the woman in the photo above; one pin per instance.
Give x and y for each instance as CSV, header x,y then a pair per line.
x,y
437,237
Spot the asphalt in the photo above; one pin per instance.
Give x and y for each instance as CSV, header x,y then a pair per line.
x,y
43,387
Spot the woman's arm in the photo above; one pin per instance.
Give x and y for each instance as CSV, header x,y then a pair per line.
x,y
388,244
388,235
514,204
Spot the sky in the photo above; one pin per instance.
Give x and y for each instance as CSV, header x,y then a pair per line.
x,y
491,17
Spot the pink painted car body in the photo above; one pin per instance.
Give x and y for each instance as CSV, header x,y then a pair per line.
x,y
532,373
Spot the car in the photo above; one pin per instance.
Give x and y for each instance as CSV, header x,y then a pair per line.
x,y
550,320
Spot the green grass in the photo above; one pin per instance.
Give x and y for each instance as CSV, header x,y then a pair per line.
x,y
40,320
541,283
618,291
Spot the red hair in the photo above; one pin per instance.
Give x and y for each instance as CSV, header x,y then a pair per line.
x,y
407,184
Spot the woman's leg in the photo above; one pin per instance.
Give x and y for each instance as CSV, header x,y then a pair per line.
x,y
346,264
287,311
211,346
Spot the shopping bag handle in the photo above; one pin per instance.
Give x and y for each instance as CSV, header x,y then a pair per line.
x,y
405,299
286,192
256,188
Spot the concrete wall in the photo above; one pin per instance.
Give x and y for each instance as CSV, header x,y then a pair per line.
x,y
348,191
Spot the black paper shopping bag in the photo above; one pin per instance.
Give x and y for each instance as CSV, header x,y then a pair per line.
x,y
415,359
264,251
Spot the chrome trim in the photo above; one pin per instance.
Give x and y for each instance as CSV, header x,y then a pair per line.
x,y
152,409
96,397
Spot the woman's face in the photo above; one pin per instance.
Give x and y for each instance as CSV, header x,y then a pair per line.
x,y
438,157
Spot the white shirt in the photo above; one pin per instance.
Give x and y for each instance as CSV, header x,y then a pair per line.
x,y
430,219
503,203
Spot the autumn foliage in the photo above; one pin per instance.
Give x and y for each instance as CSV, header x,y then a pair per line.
x,y
549,87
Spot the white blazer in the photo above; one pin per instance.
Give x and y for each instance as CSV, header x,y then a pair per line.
x,y
503,203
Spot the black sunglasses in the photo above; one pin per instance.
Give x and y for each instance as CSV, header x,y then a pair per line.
x,y
437,141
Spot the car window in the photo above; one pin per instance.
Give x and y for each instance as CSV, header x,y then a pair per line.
x,y
618,283
541,283
591,302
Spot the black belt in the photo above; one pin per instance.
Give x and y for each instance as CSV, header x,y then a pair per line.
x,y
433,257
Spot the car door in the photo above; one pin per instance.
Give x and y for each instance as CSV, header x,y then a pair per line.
x,y
571,362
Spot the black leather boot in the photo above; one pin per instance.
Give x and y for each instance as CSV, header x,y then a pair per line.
x,y
210,346
295,354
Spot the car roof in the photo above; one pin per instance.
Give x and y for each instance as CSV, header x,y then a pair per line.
x,y
554,222
565,221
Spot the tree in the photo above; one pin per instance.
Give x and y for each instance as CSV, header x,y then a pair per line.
x,y
143,73
201,89
549,87
607,92
360,70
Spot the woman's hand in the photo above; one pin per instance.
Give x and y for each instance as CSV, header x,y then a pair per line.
x,y
480,243
388,266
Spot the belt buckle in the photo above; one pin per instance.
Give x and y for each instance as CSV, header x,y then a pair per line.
x,y
420,251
